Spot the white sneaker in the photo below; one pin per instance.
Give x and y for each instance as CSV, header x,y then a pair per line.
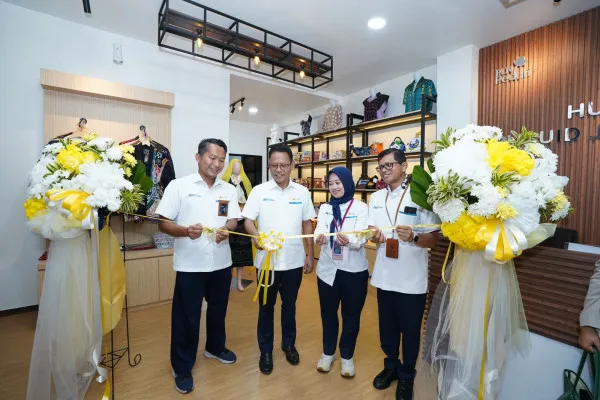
x,y
348,368
324,364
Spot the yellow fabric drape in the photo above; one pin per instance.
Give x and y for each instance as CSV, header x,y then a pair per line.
x,y
111,274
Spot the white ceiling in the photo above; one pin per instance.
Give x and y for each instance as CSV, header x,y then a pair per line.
x,y
417,31
275,103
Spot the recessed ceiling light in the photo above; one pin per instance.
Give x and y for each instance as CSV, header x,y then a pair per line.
x,y
252,110
376,23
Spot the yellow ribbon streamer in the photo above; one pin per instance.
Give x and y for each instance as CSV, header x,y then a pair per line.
x,y
111,274
72,201
485,334
444,266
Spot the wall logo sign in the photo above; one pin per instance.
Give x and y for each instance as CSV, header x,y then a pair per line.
x,y
572,134
516,72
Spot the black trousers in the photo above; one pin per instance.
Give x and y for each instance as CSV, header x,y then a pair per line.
x,y
190,289
349,289
400,314
286,283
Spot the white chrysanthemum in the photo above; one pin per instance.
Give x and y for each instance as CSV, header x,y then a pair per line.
x,y
477,133
562,212
53,148
109,197
547,185
450,210
104,180
466,158
114,153
523,199
488,200
101,144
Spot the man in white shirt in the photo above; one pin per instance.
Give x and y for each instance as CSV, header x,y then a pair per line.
x,y
202,261
282,206
400,272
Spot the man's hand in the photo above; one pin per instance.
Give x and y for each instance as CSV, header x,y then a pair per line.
x,y
255,241
321,240
308,264
194,231
342,240
405,233
588,338
221,234
378,236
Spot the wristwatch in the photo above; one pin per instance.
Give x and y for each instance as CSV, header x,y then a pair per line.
x,y
415,238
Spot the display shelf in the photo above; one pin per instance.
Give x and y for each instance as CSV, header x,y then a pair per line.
x,y
140,254
322,162
409,156
393,122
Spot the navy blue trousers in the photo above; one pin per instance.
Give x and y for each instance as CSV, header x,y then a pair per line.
x,y
400,315
286,283
349,289
190,289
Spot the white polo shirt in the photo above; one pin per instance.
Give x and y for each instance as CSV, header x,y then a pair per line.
x,y
354,256
408,273
282,211
189,201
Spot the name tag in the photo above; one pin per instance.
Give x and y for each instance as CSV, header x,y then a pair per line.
x,y
194,195
268,199
377,207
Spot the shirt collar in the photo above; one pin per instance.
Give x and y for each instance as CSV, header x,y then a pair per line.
x,y
399,189
274,185
198,179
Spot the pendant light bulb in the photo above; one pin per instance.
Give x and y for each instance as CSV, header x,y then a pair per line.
x,y
256,60
302,74
199,41
241,106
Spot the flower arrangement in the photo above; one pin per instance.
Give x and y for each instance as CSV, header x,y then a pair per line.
x,y
76,175
483,187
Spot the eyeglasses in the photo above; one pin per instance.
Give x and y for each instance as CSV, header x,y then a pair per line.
x,y
275,167
386,166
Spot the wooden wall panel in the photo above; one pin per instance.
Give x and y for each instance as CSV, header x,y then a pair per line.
x,y
553,286
564,59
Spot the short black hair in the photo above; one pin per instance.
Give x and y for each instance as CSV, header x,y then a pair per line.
x,y
399,155
281,148
203,146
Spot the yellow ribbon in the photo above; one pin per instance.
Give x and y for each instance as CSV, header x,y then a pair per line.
x,y
485,334
444,266
263,278
72,201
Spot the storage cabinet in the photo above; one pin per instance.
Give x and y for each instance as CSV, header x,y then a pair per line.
x,y
166,278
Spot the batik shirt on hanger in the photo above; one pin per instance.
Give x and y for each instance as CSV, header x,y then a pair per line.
x,y
412,95
159,167
333,119
375,108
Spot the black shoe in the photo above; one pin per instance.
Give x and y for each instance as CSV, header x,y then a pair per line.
x,y
266,363
226,357
404,391
291,354
183,383
385,378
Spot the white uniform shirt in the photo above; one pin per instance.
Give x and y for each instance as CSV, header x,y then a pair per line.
x,y
189,201
354,256
408,273
282,211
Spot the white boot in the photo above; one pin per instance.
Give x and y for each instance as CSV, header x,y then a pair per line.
x,y
324,364
348,368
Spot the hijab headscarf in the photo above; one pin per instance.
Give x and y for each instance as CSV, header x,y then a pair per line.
x,y
345,177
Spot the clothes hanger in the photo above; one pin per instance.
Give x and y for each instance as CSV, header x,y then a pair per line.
x,y
80,128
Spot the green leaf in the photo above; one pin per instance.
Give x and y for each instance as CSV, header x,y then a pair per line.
x,y
139,177
430,166
418,187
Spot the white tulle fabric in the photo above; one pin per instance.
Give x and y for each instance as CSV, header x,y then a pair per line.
x,y
68,334
454,336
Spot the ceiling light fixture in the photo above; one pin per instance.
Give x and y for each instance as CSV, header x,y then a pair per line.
x,y
240,106
302,74
376,23
256,58
252,110
199,41
86,7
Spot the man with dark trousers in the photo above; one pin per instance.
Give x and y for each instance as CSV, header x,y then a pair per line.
x,y
400,271
282,206
202,260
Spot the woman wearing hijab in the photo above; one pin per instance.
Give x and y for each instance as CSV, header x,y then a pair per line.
x,y
342,269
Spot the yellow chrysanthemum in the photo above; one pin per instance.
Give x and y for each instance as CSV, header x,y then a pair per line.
x,y
70,158
127,149
90,157
507,158
464,232
506,211
33,206
90,136
127,172
129,159
560,201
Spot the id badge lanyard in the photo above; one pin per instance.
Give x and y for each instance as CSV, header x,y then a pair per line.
x,y
336,249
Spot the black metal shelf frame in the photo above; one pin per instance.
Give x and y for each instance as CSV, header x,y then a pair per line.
x,y
363,128
281,53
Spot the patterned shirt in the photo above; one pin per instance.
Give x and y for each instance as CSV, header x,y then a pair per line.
x,y
333,119
412,96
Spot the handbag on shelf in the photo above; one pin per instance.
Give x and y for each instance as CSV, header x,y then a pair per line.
x,y
574,387
398,144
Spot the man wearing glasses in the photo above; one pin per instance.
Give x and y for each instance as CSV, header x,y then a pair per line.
x,y
400,272
286,207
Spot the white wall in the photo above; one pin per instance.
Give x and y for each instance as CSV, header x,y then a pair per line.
x,y
249,138
201,109
458,87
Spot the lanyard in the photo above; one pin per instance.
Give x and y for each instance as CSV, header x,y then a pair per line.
x,y
397,209
339,227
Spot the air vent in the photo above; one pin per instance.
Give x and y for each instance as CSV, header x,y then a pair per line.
x,y
510,3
